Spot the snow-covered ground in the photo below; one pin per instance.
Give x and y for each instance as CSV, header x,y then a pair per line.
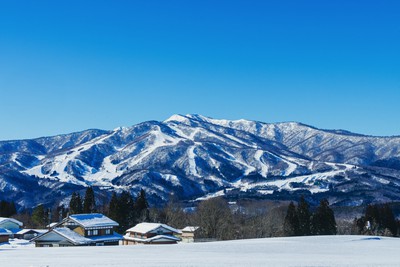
x,y
295,251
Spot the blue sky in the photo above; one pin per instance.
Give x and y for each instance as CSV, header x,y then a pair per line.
x,y
67,66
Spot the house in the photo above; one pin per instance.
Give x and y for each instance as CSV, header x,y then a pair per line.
x,y
28,234
10,224
151,233
80,230
188,234
4,235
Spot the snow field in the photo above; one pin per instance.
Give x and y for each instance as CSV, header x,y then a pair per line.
x,y
332,251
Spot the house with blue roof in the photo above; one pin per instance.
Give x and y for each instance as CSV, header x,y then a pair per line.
x,y
93,229
10,224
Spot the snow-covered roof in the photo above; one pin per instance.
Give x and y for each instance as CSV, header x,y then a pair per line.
x,y
190,228
93,220
71,235
153,239
77,239
4,219
5,231
146,227
24,231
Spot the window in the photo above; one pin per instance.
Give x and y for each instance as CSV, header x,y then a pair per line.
x,y
89,232
95,232
108,231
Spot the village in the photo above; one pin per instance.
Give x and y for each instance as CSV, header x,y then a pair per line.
x,y
94,229
84,226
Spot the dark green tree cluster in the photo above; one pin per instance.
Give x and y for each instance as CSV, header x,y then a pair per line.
x,y
301,222
75,204
378,220
127,212
41,216
88,205
89,202
291,224
7,209
323,220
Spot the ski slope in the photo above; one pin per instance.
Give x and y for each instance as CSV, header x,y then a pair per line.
x,y
289,251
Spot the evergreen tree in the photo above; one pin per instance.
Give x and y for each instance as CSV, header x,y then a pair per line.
x,y
291,223
304,216
89,203
113,208
388,220
323,220
141,208
380,219
39,216
121,210
126,211
7,209
75,204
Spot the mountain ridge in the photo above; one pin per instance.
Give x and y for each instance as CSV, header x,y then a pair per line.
x,y
195,157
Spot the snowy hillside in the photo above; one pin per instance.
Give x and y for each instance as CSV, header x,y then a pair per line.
x,y
198,157
332,251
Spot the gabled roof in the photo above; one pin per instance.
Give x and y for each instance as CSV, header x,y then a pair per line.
x,y
153,239
92,220
145,227
71,235
68,234
4,219
77,239
24,231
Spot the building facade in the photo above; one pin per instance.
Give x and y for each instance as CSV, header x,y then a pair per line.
x,y
81,230
151,233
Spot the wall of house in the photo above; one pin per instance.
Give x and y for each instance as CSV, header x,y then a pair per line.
x,y
3,238
80,230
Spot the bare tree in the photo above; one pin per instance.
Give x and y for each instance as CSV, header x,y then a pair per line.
x,y
215,219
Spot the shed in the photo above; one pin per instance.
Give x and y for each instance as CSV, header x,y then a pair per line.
x,y
188,234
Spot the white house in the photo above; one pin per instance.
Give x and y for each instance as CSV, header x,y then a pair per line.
x,y
151,233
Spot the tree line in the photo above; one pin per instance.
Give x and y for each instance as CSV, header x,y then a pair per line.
x,y
299,221
377,220
219,219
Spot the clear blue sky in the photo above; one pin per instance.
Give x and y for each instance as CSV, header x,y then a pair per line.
x,y
67,66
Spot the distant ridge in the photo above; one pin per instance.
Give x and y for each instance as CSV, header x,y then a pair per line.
x,y
196,157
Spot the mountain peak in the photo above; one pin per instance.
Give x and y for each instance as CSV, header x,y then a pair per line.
x,y
177,117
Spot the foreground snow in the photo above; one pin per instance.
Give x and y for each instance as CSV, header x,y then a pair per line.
x,y
296,251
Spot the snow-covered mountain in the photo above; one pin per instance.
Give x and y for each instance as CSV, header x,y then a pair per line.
x,y
195,157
